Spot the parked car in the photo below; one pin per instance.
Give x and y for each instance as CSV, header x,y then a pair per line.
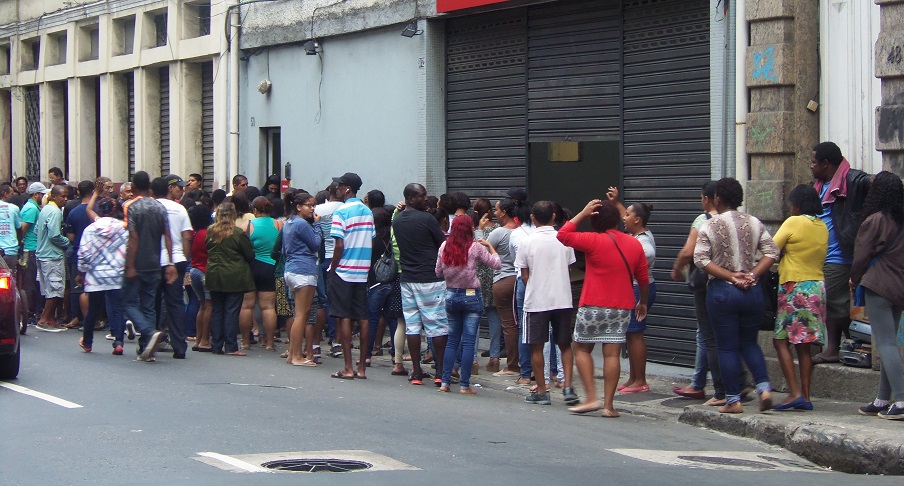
x,y
12,321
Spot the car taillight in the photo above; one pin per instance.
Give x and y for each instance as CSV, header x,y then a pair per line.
x,y
4,282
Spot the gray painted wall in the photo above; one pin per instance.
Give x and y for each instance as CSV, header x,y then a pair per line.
x,y
368,107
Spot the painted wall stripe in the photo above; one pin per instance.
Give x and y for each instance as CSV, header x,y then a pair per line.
x,y
245,466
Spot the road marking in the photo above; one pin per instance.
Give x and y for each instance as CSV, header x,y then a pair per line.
x,y
245,466
37,394
724,460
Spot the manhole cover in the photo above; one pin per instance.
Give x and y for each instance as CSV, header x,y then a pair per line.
x,y
728,461
317,465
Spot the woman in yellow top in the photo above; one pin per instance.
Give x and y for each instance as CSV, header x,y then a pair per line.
x,y
801,313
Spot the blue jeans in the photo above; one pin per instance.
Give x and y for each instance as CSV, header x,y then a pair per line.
x,y
191,312
523,349
322,295
138,297
224,320
495,325
172,298
113,301
377,302
464,313
735,315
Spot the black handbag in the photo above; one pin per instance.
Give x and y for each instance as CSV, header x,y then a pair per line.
x,y
385,269
697,278
768,284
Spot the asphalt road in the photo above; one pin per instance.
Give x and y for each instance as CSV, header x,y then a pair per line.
x,y
146,423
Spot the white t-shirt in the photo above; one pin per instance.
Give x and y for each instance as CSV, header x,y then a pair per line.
x,y
178,222
325,211
549,282
649,249
516,237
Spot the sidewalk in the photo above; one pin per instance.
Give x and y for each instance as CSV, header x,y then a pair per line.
x,y
833,435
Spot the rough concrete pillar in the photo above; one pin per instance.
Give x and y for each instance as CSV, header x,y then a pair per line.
x,y
83,128
147,120
432,105
17,131
782,77
890,69
55,124
6,156
114,127
185,119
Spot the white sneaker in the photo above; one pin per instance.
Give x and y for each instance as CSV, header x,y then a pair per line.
x,y
109,337
151,348
130,330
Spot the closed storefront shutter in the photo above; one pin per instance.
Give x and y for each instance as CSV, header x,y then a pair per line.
x,y
667,147
164,121
207,124
573,73
130,88
486,103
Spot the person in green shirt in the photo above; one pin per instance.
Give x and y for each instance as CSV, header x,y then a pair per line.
x,y
50,256
28,265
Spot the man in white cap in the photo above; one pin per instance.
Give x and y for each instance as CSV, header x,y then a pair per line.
x,y
28,265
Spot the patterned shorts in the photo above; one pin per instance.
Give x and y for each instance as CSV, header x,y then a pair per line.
x,y
424,307
601,325
801,314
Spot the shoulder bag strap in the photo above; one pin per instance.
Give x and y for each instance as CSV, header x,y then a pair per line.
x,y
628,267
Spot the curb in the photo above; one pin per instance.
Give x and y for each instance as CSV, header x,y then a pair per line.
x,y
845,450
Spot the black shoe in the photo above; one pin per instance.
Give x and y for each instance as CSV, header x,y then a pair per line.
x,y
871,409
485,354
217,351
571,398
178,355
536,399
894,412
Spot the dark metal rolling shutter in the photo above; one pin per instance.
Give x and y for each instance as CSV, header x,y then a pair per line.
x,y
486,103
667,147
207,124
573,78
164,121
130,88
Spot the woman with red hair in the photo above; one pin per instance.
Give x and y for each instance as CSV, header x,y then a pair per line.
x,y
456,262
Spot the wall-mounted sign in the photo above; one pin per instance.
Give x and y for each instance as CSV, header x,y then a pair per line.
x,y
452,5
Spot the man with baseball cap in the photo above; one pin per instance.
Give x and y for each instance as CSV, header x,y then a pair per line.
x,y
353,232
28,265
168,191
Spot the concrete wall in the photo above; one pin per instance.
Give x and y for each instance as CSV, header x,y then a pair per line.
x,y
360,115
67,65
890,68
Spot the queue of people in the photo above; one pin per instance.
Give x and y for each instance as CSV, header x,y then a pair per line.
x,y
332,265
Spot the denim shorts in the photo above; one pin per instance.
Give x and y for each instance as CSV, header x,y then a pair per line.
x,y
197,284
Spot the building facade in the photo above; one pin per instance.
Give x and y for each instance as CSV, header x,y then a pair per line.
x,y
112,87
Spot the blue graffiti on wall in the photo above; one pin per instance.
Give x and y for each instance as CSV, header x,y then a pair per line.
x,y
764,65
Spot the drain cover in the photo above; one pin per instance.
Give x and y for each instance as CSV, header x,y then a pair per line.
x,y
728,461
317,465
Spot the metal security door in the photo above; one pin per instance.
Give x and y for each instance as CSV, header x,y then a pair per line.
x,y
207,124
164,121
130,88
486,103
32,133
667,147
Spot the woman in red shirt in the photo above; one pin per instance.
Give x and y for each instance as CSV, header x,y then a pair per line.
x,y
614,259
200,219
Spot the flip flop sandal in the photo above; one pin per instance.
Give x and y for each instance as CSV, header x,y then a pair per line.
x,y
360,377
237,353
338,375
416,380
203,350
306,362
399,373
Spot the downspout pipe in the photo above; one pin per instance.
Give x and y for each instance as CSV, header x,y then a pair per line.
x,y
742,165
233,165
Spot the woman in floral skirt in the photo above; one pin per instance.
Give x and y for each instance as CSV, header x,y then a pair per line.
x,y
801,313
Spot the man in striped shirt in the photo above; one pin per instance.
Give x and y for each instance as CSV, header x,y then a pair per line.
x,y
353,231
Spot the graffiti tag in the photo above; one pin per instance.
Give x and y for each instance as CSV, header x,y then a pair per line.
x,y
764,64
759,134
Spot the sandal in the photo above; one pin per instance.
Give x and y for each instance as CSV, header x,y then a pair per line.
x,y
401,372
306,362
338,375
416,380
237,353
586,407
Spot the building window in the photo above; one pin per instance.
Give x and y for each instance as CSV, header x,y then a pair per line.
x,y
32,98
5,53
57,46
123,35
31,54
89,43
196,19
160,29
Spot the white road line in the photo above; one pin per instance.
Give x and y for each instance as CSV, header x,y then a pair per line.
x,y
43,396
245,466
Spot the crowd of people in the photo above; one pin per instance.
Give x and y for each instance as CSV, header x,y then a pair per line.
x,y
163,261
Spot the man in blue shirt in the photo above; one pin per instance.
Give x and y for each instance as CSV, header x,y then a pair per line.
x,y
28,265
10,223
842,191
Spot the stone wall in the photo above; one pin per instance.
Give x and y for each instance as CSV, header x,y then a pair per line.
x,y
782,77
890,69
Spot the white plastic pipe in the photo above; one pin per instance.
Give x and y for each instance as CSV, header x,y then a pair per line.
x,y
233,166
742,167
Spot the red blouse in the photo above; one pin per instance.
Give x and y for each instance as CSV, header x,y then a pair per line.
x,y
199,250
